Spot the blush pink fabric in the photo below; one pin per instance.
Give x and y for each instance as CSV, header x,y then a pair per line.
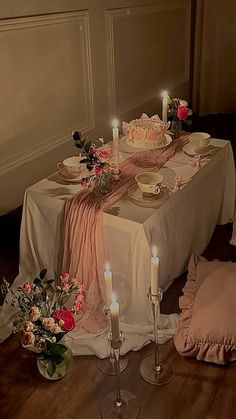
x,y
207,325
84,240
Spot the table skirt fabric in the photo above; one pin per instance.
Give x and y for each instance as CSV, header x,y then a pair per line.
x,y
181,226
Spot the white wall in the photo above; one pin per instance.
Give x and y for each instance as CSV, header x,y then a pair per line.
x,y
76,64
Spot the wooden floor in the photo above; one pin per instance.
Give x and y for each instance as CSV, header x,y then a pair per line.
x,y
198,391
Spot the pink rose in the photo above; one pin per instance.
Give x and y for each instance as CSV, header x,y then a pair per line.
x,y
182,112
183,103
28,339
41,344
67,317
65,277
103,153
82,289
55,328
77,307
48,322
65,286
98,170
28,327
34,314
27,288
79,298
75,282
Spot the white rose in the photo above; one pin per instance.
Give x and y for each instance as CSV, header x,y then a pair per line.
x,y
48,322
28,339
55,329
28,326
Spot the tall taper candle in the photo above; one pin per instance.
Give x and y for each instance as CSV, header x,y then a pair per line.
x,y
165,98
155,275
115,322
115,146
108,286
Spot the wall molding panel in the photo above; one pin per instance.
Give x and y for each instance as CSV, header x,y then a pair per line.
x,y
115,42
73,79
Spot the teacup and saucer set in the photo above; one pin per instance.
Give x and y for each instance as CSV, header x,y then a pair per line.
x,y
72,170
199,145
148,190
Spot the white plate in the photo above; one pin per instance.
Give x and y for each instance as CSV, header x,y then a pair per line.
x,y
204,151
155,201
71,180
129,147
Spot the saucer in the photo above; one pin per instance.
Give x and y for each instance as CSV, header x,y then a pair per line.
x,y
129,147
147,200
71,180
203,151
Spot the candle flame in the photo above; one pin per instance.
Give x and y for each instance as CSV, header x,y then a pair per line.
x,y
115,123
164,94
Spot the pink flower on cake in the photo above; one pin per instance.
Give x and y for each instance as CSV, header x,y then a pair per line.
x,y
27,288
67,317
28,339
103,153
34,314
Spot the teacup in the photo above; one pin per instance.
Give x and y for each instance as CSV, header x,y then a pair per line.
x,y
71,167
149,182
199,140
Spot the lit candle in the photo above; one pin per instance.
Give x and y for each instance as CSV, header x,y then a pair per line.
x,y
115,323
165,98
115,146
155,275
108,285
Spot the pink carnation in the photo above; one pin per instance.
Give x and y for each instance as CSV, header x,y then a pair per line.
x,y
182,112
103,153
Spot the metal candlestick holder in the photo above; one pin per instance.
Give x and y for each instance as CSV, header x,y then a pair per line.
x,y
153,369
107,365
121,404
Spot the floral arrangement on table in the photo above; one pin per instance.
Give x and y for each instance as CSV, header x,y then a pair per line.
x,y
179,111
97,157
46,313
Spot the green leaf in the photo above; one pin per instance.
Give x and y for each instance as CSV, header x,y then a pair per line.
x,y
51,368
58,359
59,336
43,273
37,282
49,281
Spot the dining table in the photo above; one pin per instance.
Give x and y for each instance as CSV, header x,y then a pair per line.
x,y
178,223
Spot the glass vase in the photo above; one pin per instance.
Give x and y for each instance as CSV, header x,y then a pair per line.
x,y
176,128
61,368
103,184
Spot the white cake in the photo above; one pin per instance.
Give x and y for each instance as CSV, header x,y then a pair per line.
x,y
145,132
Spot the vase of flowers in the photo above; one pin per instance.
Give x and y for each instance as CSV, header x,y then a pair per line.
x,y
179,113
97,157
46,313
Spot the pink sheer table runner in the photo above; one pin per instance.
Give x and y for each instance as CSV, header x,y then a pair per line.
x,y
84,239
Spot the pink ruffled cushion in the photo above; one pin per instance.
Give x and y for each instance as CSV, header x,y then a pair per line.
x,y
207,325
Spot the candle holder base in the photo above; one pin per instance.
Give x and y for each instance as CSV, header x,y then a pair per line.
x,y
107,365
128,409
156,375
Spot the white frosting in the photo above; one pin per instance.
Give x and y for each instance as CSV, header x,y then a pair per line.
x,y
145,131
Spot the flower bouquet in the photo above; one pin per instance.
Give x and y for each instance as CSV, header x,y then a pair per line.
x,y
179,112
46,313
97,156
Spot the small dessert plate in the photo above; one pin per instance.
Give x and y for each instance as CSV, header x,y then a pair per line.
x,y
202,151
147,200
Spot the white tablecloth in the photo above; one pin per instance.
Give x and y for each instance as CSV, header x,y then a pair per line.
x,y
181,226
